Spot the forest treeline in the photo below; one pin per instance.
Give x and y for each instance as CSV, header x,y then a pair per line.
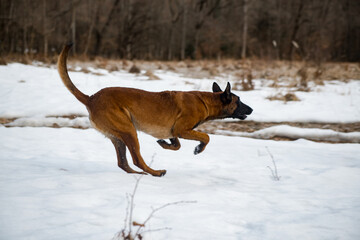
x,y
316,30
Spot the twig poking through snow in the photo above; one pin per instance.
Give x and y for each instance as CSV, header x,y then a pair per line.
x,y
141,226
132,205
274,172
132,196
126,232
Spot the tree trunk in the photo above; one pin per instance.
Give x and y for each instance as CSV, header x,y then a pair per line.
x,y
278,44
45,29
128,47
7,28
102,32
170,43
91,29
245,29
295,29
183,36
26,48
73,25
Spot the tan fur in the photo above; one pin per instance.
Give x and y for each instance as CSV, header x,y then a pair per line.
x,y
119,112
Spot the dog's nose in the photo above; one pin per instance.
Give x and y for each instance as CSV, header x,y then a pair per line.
x,y
250,110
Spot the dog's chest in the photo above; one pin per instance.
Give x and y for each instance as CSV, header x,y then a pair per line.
x,y
155,130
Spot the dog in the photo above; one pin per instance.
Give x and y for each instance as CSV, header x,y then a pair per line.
x,y
120,112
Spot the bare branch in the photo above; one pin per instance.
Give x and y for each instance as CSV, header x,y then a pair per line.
x,y
274,172
157,230
158,209
132,205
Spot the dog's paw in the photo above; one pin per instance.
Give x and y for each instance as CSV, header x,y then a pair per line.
x,y
159,173
163,172
199,148
161,141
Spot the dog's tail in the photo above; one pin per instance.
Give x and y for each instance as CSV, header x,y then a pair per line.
x,y
65,76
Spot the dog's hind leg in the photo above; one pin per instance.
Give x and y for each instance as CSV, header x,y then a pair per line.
x,y
121,156
174,144
118,124
131,141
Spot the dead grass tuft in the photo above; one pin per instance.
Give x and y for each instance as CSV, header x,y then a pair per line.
x,y
303,80
288,97
125,63
134,69
2,61
170,66
6,120
246,80
212,70
151,75
190,64
85,70
113,68
291,97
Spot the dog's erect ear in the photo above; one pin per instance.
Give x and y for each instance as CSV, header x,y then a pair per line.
x,y
228,88
216,87
226,96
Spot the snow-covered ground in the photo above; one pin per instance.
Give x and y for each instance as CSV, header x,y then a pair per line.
x,y
64,183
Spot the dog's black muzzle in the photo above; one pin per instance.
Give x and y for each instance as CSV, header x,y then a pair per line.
x,y
242,111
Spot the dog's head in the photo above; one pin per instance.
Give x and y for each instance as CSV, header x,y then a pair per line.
x,y
232,106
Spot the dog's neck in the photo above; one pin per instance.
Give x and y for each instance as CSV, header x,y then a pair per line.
x,y
213,105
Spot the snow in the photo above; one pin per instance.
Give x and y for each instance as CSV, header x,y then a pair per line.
x,y
336,102
296,133
64,183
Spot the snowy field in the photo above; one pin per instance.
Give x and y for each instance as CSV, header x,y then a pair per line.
x,y
63,183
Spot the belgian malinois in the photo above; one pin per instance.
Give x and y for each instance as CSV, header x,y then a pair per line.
x,y
119,112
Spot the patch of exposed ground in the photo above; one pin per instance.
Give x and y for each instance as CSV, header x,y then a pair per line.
x,y
4,121
70,116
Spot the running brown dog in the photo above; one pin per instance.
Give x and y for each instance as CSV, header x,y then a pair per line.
x,y
119,112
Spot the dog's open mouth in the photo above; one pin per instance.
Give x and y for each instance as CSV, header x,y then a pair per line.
x,y
243,117
239,116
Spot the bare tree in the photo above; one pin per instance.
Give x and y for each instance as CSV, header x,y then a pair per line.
x,y
45,30
73,24
296,27
93,18
175,11
184,24
245,29
101,33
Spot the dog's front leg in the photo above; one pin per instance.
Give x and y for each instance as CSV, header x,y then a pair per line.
x,y
195,135
174,144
